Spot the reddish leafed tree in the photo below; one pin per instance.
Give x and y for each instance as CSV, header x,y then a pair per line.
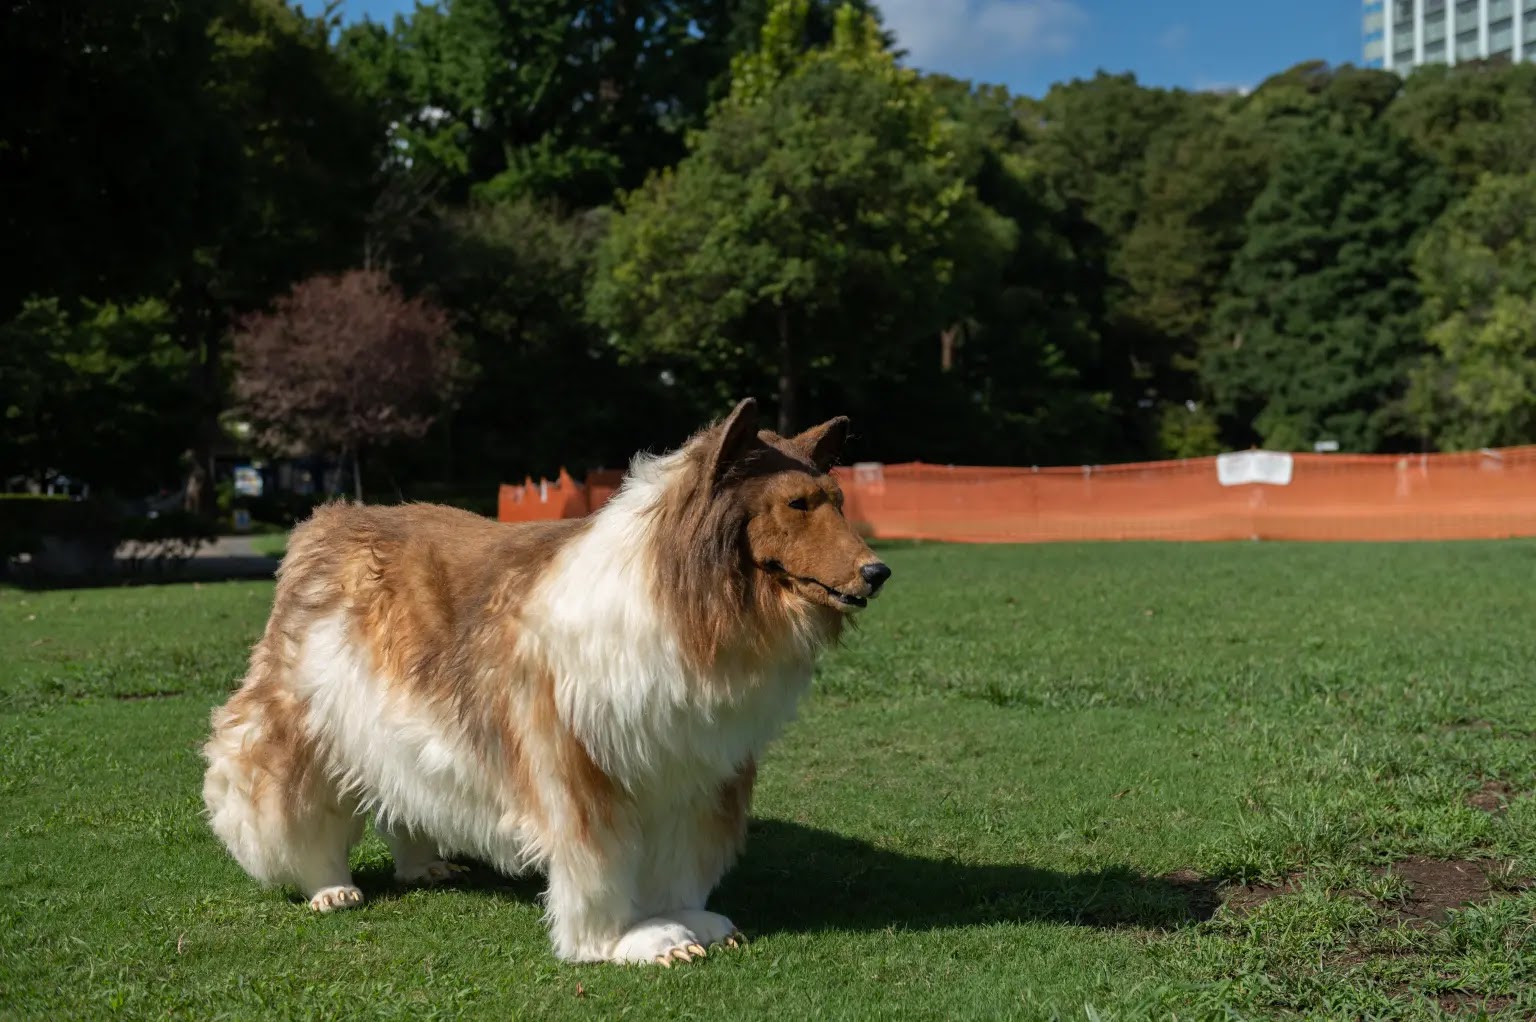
x,y
343,365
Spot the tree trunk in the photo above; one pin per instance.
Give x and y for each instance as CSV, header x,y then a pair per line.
x,y
787,381
208,429
201,334
947,338
357,474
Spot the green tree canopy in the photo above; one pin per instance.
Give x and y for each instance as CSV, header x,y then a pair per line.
x,y
1472,119
1477,270
102,395
562,99
814,227
1318,326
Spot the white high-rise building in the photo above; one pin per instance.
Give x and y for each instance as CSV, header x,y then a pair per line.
x,y
1402,34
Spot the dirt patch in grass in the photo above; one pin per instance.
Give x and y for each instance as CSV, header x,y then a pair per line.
x,y
1455,1002
134,697
1436,886
1493,796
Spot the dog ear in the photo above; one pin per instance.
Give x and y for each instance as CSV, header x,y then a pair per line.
x,y
735,436
823,445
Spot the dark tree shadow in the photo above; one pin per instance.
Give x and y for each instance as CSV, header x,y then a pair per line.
x,y
798,879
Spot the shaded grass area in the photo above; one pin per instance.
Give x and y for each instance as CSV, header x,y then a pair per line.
x,y
1020,790
270,544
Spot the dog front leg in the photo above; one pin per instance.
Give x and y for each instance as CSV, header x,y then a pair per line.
x,y
641,899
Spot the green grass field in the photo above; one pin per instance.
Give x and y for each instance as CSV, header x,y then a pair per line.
x,y
1019,791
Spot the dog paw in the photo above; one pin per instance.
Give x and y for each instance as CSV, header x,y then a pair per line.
x,y
429,873
668,939
332,899
710,927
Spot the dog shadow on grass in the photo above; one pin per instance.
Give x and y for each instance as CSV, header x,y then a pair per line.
x,y
795,878
798,879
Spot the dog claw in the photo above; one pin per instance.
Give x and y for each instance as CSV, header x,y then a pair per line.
x,y
736,939
698,951
664,961
681,955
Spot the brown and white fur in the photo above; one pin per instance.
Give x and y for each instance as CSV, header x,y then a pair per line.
x,y
588,698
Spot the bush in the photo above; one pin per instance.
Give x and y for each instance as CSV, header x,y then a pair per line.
x,y
26,520
48,538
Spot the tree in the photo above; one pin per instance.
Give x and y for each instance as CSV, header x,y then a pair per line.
x,y
1317,328
290,196
102,395
1199,178
1105,146
1013,369
1477,270
516,275
1473,118
343,365
208,153
812,231
554,99
104,160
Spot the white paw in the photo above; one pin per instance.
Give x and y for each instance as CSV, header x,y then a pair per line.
x,y
666,939
428,872
331,899
710,927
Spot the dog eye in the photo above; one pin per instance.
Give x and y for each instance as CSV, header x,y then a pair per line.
x,y
800,504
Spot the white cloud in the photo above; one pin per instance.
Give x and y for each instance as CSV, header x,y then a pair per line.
x,y
954,35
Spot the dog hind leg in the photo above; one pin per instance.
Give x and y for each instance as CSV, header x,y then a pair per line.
x,y
272,806
417,859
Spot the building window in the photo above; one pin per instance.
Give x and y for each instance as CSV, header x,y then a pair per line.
x,y
1402,58
1500,9
1501,39
1465,21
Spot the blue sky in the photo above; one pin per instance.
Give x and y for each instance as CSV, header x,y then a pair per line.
x,y
1028,44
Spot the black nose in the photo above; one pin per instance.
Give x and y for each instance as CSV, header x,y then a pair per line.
x,y
875,574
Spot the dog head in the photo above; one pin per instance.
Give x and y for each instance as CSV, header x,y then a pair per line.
x,y
790,509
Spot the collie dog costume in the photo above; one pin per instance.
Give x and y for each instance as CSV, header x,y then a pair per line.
x,y
586,697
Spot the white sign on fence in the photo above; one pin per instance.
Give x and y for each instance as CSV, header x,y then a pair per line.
x,y
1240,468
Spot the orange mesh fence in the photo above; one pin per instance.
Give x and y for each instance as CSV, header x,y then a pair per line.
x,y
534,502
1250,495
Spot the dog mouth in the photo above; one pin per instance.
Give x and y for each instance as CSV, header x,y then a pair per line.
x,y
846,599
